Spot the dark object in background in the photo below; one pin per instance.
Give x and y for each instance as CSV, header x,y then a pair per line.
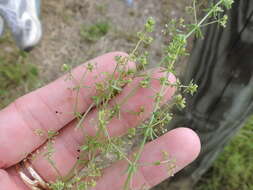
x,y
222,66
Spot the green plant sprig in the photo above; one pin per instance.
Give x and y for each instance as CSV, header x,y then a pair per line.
x,y
102,103
177,47
102,143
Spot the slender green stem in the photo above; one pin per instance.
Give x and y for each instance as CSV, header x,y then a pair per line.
x,y
204,19
78,92
80,122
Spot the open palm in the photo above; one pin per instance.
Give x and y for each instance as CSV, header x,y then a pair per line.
x,y
51,107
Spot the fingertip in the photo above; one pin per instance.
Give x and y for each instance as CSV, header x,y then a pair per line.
x,y
116,53
190,140
159,73
182,146
113,55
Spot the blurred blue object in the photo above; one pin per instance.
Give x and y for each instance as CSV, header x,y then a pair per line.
x,y
129,2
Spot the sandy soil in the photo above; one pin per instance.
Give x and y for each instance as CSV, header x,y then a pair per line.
x,y
63,19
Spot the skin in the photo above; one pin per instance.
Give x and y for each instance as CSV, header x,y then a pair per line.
x,y
50,107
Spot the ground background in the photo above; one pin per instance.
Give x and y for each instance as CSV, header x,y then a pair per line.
x,y
64,42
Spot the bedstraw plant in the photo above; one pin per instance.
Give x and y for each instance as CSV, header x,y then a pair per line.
x,y
97,148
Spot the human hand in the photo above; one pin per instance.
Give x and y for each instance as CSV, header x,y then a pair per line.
x,y
51,108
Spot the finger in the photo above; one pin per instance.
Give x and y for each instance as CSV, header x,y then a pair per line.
x,y
6,182
69,140
141,102
48,108
182,144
